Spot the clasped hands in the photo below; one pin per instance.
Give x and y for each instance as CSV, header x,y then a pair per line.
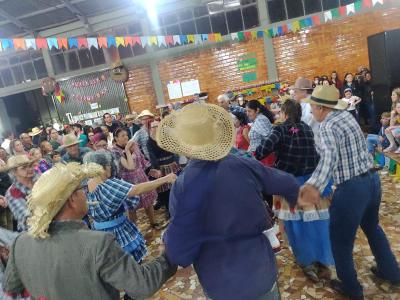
x,y
308,195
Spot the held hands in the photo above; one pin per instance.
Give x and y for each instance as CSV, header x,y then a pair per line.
x,y
308,195
3,202
170,178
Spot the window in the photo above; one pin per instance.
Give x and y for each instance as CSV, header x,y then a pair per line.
x,y
7,77
218,23
85,58
203,25
250,17
170,19
40,68
234,18
72,61
200,11
29,71
188,27
58,61
185,14
98,56
329,4
312,6
294,8
18,74
173,29
276,9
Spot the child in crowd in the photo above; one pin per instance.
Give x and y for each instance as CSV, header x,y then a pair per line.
x,y
41,165
55,157
379,140
393,131
352,101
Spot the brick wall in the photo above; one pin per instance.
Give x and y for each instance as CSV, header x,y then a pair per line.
x,y
339,45
216,69
139,89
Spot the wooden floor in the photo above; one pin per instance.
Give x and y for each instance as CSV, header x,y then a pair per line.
x,y
292,283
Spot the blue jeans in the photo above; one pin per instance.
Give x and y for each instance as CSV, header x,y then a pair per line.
x,y
356,203
372,142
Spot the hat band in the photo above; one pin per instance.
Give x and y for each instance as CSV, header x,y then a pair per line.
x,y
322,101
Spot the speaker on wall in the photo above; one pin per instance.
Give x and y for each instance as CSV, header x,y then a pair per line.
x,y
384,61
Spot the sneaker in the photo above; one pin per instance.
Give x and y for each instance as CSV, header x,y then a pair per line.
x,y
337,286
379,274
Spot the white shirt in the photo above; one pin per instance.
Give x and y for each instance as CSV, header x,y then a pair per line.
x,y
308,118
352,102
6,145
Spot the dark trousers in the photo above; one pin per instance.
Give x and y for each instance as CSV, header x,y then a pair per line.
x,y
163,197
356,203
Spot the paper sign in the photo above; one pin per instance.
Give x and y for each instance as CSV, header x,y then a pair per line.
x,y
190,87
94,105
247,64
174,90
247,77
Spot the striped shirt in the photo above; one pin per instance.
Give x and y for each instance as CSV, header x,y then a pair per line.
x,y
342,149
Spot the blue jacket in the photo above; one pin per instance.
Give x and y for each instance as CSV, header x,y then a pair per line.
x,y
217,223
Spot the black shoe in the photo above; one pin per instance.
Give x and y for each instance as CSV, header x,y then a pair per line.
x,y
157,206
379,274
338,287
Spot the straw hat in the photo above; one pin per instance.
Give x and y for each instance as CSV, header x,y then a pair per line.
x,y
200,131
70,140
302,84
328,96
131,116
35,131
145,113
17,161
52,190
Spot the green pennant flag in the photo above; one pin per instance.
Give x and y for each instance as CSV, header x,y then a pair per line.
x,y
241,36
271,32
358,5
335,13
303,23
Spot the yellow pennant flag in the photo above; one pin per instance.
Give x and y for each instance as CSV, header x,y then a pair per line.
x,y
190,38
120,41
296,26
253,35
153,40
218,37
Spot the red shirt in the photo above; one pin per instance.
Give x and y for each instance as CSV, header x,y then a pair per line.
x,y
241,142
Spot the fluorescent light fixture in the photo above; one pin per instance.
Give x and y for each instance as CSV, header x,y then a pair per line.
x,y
231,3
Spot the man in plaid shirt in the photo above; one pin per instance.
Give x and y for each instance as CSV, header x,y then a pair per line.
x,y
344,156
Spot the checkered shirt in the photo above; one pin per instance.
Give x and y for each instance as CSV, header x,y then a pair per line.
x,y
141,137
237,108
260,129
343,150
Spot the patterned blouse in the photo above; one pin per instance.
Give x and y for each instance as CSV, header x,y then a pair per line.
x,y
112,198
260,129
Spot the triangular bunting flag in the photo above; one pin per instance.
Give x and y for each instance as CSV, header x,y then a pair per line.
x,y
153,40
197,39
260,34
280,30
234,36
204,37
120,41
350,9
183,39
128,41
335,13
285,29
316,20
274,31
296,26
271,32
218,37
41,43
72,42
169,40
290,27
253,35
190,38
309,22
247,35
19,44
241,36
111,42
367,3
102,41
92,42
375,2
177,39
31,44
1,47
82,42
358,5
328,16
137,40
144,40
211,37
62,43
51,42
161,40
302,23
342,10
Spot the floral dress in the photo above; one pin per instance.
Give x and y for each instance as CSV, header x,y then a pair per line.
x,y
135,176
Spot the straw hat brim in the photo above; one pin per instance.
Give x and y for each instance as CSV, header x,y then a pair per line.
x,y
71,144
33,133
168,139
340,105
25,163
145,115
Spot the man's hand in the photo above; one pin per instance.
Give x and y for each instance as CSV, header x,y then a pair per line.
x,y
308,195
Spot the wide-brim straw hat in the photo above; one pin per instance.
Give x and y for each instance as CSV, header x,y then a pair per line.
x,y
199,131
17,161
328,96
302,83
132,116
35,131
70,140
52,190
145,113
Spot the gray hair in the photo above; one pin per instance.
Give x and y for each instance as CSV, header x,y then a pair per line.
x,y
224,97
103,158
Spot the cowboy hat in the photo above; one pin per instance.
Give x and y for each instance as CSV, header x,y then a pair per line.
x,y
35,131
145,113
131,116
302,84
52,190
328,96
200,131
70,140
17,161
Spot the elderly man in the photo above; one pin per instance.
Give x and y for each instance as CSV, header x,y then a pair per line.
x,y
74,153
217,213
225,100
60,258
27,142
141,136
356,201
22,170
131,126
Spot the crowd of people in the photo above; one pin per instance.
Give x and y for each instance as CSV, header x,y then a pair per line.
x,y
231,178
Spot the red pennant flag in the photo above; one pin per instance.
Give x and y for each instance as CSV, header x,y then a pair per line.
x,y
102,41
136,40
316,20
129,41
367,3
211,37
247,35
82,42
342,10
41,43
169,39
285,29
62,43
19,44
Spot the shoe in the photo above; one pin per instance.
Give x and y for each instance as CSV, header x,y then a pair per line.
x,y
389,149
311,272
379,274
323,271
337,286
157,206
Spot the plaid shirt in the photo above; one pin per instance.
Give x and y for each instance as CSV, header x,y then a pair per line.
x,y
237,108
260,129
141,137
294,147
343,150
16,197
